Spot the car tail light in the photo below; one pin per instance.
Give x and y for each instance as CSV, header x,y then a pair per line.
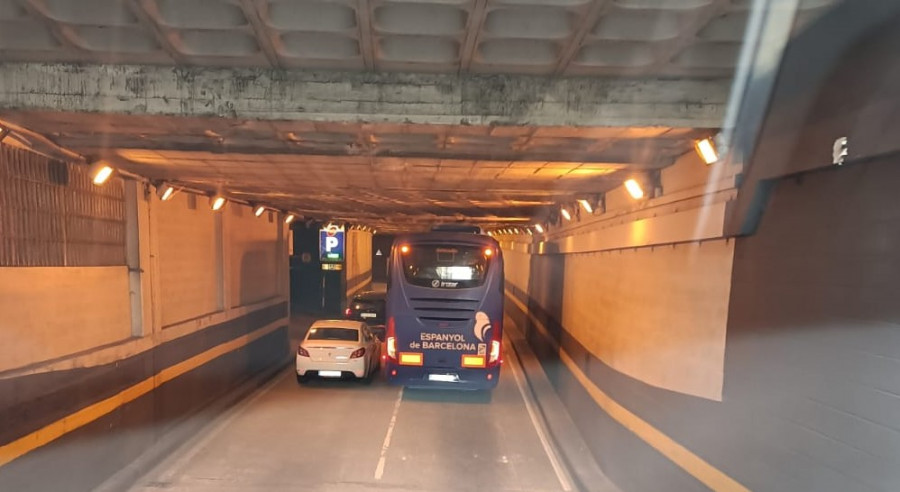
x,y
391,338
302,352
348,312
358,353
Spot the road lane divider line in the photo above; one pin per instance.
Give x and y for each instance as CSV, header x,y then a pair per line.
x,y
562,474
691,463
379,470
94,411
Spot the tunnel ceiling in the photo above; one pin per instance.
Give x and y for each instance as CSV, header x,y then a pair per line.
x,y
391,176
392,171
691,38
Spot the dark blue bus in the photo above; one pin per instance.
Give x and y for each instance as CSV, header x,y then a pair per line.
x,y
444,311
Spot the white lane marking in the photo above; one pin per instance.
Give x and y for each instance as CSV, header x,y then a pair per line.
x,y
379,470
561,473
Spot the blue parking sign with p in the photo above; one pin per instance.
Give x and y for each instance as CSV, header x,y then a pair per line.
x,y
331,244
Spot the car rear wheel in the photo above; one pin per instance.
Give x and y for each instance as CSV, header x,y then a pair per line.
x,y
302,379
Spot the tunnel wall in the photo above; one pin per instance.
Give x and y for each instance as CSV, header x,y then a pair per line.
x,y
190,259
62,261
810,395
358,261
255,256
96,373
627,310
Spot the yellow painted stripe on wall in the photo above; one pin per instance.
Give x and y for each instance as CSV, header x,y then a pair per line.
x,y
696,466
90,413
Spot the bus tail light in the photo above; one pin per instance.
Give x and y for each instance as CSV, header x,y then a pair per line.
x,y
496,337
391,338
495,352
358,353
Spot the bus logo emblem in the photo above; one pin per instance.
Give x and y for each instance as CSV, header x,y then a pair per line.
x,y
482,325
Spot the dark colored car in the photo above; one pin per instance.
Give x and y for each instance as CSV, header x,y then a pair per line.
x,y
369,308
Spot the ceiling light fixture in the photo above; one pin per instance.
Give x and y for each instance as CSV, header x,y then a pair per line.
x,y
565,213
290,218
539,228
100,172
634,189
217,202
586,205
165,191
259,210
707,150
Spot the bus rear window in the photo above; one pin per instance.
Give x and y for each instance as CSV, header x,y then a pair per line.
x,y
447,267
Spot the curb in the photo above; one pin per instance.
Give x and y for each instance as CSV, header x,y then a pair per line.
x,y
565,434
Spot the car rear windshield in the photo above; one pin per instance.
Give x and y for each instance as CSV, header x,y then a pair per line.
x,y
445,267
342,334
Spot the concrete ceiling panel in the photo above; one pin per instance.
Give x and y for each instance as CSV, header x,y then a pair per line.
x,y
319,46
90,12
114,39
617,55
548,3
31,36
663,4
11,10
529,22
638,26
728,27
422,19
200,14
310,16
519,52
422,49
217,43
712,55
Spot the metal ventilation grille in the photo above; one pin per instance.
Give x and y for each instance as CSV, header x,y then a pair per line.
x,y
52,215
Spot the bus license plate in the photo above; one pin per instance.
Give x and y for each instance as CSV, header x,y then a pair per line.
x,y
330,374
444,378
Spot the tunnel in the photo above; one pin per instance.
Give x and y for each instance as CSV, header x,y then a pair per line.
x,y
694,203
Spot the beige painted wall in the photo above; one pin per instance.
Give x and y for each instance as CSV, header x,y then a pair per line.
x,y
358,256
517,268
656,314
254,252
189,270
58,311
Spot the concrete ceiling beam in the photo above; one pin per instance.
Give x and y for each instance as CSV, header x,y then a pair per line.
x,y
271,94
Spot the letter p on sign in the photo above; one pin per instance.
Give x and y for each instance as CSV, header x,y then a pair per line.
x,y
331,242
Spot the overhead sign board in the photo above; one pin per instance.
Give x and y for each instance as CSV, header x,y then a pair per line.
x,y
331,244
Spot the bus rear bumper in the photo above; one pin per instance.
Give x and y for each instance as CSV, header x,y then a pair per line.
x,y
442,378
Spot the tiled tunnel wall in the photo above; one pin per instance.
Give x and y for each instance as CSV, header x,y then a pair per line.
x,y
810,397
83,391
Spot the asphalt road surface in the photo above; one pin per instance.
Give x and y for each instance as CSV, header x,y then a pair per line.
x,y
347,436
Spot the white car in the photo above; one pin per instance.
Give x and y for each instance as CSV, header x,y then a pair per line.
x,y
338,348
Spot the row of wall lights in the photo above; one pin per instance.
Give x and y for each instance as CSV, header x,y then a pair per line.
x,y
101,171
